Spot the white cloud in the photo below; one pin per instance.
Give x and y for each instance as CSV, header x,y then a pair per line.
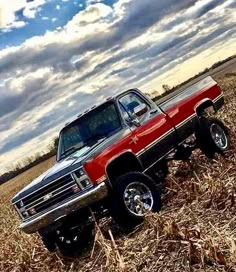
x,y
91,14
18,24
14,25
19,84
32,8
8,11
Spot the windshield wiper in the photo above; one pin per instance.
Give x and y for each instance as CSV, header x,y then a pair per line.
x,y
95,139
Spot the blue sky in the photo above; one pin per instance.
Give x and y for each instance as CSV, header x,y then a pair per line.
x,y
48,17
58,57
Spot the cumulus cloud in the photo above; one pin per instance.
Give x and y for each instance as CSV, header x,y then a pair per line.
x,y
101,51
90,15
8,17
32,8
7,11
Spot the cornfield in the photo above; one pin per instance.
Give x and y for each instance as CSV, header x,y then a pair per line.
x,y
195,231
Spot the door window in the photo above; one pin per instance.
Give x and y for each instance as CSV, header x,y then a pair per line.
x,y
128,103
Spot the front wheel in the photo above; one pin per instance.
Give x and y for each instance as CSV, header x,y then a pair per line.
x,y
212,137
134,194
71,243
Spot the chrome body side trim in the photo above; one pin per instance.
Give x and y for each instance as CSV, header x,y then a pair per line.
x,y
154,142
185,121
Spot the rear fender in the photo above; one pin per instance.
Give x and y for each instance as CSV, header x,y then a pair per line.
x,y
203,105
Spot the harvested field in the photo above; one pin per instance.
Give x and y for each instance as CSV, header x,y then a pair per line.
x,y
195,231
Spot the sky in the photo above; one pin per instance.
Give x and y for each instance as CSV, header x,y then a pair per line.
x,y
58,57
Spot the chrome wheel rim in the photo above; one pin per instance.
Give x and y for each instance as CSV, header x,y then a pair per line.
x,y
219,137
67,239
138,198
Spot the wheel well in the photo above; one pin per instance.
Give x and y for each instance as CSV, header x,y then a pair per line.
x,y
203,106
125,163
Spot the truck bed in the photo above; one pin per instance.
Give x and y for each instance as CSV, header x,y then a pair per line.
x,y
203,83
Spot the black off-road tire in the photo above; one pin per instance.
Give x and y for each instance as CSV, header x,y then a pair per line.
x,y
49,242
207,142
74,248
119,210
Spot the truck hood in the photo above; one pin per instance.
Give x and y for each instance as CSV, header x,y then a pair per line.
x,y
71,163
60,169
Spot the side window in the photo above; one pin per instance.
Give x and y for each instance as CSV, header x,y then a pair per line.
x,y
128,103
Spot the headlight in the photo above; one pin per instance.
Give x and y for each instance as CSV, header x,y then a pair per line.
x,y
79,173
85,183
25,214
19,206
82,179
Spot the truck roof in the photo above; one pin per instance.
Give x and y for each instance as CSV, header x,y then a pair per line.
x,y
108,98
90,109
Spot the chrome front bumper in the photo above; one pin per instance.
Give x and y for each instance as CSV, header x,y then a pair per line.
x,y
94,195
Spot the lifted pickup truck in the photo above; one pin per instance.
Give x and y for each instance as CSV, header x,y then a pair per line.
x,y
112,158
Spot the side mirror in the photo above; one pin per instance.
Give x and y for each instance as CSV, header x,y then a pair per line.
x,y
135,122
140,110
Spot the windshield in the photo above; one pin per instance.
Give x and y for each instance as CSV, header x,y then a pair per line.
x,y
88,130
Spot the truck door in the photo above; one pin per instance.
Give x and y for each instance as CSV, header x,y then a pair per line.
x,y
155,135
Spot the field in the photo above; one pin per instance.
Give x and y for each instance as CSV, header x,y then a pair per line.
x,y
195,231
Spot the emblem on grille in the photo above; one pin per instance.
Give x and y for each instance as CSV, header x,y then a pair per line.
x,y
47,196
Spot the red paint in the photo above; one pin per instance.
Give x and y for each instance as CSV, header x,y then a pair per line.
x,y
179,112
150,131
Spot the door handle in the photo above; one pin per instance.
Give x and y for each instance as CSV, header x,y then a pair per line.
x,y
154,111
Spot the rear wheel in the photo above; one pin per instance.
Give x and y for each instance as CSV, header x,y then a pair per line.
x,y
134,194
212,137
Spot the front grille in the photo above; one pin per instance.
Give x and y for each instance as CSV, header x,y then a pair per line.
x,y
50,195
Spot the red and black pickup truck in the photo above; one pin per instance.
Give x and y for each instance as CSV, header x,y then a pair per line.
x,y
112,158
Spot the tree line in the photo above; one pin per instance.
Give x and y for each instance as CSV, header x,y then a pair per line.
x,y
29,162
168,89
